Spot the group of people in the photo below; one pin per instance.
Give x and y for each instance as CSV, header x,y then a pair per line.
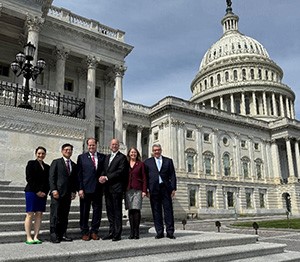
x,y
114,176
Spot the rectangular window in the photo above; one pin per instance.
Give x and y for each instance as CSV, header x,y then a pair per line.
x,y
98,91
192,195
207,163
262,200
248,200
230,202
206,137
210,198
189,134
243,143
156,136
256,146
69,85
4,69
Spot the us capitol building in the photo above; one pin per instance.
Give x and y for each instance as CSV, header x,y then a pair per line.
x,y
235,143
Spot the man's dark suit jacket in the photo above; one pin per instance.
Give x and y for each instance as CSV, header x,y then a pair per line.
x,y
37,178
60,179
88,175
167,174
117,173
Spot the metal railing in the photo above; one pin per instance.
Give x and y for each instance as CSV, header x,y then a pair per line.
x,y
11,94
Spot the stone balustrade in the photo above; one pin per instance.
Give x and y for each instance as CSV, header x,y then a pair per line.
x,y
89,24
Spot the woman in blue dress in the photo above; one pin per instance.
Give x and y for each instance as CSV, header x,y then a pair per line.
x,y
36,190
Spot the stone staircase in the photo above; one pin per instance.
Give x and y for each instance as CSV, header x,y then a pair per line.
x,y
188,246
12,215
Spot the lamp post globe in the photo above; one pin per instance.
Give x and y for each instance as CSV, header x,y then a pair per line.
x,y
23,66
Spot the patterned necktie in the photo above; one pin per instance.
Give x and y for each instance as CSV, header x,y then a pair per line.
x,y
94,161
68,166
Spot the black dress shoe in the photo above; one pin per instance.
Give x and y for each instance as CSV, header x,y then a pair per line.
x,y
116,239
107,237
159,236
55,240
66,239
171,236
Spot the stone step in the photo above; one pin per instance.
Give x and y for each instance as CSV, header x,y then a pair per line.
x,y
11,188
217,254
7,208
12,193
4,182
10,226
188,246
290,256
20,236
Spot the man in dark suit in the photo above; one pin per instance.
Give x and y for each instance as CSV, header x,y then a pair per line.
x,y
90,166
115,179
162,186
63,182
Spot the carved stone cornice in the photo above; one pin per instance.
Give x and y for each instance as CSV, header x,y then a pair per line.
x,y
34,23
25,121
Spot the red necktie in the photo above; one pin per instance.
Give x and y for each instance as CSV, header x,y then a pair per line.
x,y
94,161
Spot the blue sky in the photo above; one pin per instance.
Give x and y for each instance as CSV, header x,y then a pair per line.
x,y
170,38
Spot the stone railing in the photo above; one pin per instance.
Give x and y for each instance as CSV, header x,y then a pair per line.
x,y
136,107
89,24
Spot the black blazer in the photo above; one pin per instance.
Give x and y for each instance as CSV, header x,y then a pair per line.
x,y
117,173
37,178
60,179
88,175
167,174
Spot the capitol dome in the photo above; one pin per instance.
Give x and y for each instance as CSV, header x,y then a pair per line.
x,y
237,75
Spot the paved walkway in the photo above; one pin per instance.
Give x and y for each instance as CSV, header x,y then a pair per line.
x,y
290,237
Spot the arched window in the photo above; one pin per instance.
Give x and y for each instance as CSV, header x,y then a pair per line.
x,y
235,76
258,168
259,74
245,167
218,79
211,81
208,163
226,164
252,73
226,76
244,74
205,84
190,160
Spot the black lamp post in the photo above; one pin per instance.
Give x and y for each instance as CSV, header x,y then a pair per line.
x,y
22,65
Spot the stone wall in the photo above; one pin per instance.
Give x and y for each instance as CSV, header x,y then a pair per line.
x,y
22,130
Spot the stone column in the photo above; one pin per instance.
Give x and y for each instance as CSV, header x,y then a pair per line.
x,y
265,108
221,103
254,110
289,157
61,57
292,110
181,146
297,157
33,26
139,139
119,71
232,103
275,113
287,102
124,134
90,95
199,144
267,159
216,151
281,106
243,107
275,162
211,103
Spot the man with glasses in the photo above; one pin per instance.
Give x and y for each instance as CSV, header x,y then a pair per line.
x,y
63,186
